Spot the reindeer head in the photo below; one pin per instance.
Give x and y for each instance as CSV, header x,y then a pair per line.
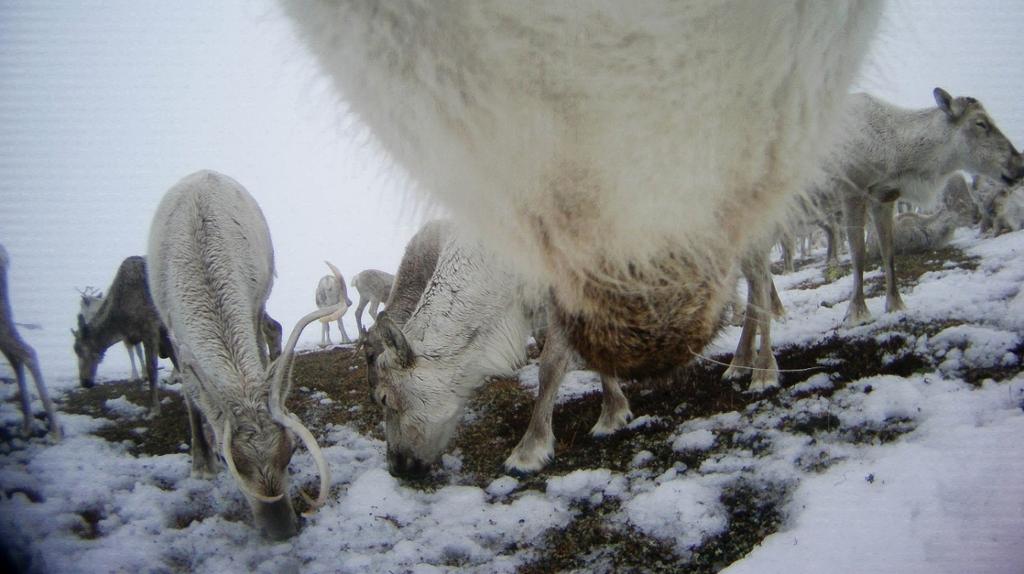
x,y
982,148
257,436
89,353
421,407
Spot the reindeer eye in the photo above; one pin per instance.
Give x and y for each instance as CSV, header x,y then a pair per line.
x,y
982,124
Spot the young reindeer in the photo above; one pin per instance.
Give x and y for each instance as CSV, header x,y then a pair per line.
x,y
126,314
19,354
894,153
89,307
471,321
374,287
211,270
332,293
621,156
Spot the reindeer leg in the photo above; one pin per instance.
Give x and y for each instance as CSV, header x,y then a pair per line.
x,y
26,401
131,357
37,376
344,335
855,211
151,360
325,334
882,215
744,355
615,412
537,446
204,463
766,371
778,309
788,244
359,316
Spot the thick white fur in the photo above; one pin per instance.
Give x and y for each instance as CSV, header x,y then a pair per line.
x,y
472,322
579,137
211,268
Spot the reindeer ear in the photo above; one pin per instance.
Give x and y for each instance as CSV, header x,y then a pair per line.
x,y
944,101
394,340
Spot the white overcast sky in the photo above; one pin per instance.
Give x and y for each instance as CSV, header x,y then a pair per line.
x,y
106,104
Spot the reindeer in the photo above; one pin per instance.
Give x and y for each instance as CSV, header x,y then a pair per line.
x,y
374,287
211,270
958,199
894,153
471,321
620,156
918,233
20,354
1006,209
332,293
89,306
126,314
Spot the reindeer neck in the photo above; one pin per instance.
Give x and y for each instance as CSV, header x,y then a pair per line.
x,y
103,328
924,142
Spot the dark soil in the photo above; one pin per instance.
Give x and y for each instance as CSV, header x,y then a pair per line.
x,y
329,387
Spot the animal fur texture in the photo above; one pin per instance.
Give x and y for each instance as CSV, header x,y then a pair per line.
x,y
126,314
211,271
471,321
374,288
620,154
891,153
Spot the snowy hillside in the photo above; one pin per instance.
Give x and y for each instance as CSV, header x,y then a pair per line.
x,y
901,452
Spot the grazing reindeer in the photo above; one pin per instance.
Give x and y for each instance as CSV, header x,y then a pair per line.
x,y
894,153
19,354
90,305
211,268
332,293
621,156
374,287
472,321
126,314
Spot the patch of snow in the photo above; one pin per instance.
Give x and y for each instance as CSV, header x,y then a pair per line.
x,y
121,406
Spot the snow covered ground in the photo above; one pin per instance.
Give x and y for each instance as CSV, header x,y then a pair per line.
x,y
941,492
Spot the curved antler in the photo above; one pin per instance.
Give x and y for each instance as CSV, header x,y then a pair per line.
x,y
281,369
334,270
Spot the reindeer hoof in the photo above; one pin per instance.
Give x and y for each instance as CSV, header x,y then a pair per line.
x,y
857,315
735,371
609,425
525,461
894,305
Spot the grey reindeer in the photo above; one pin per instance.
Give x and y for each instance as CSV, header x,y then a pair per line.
x,y
211,270
20,355
126,314
894,154
374,288
332,293
89,306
